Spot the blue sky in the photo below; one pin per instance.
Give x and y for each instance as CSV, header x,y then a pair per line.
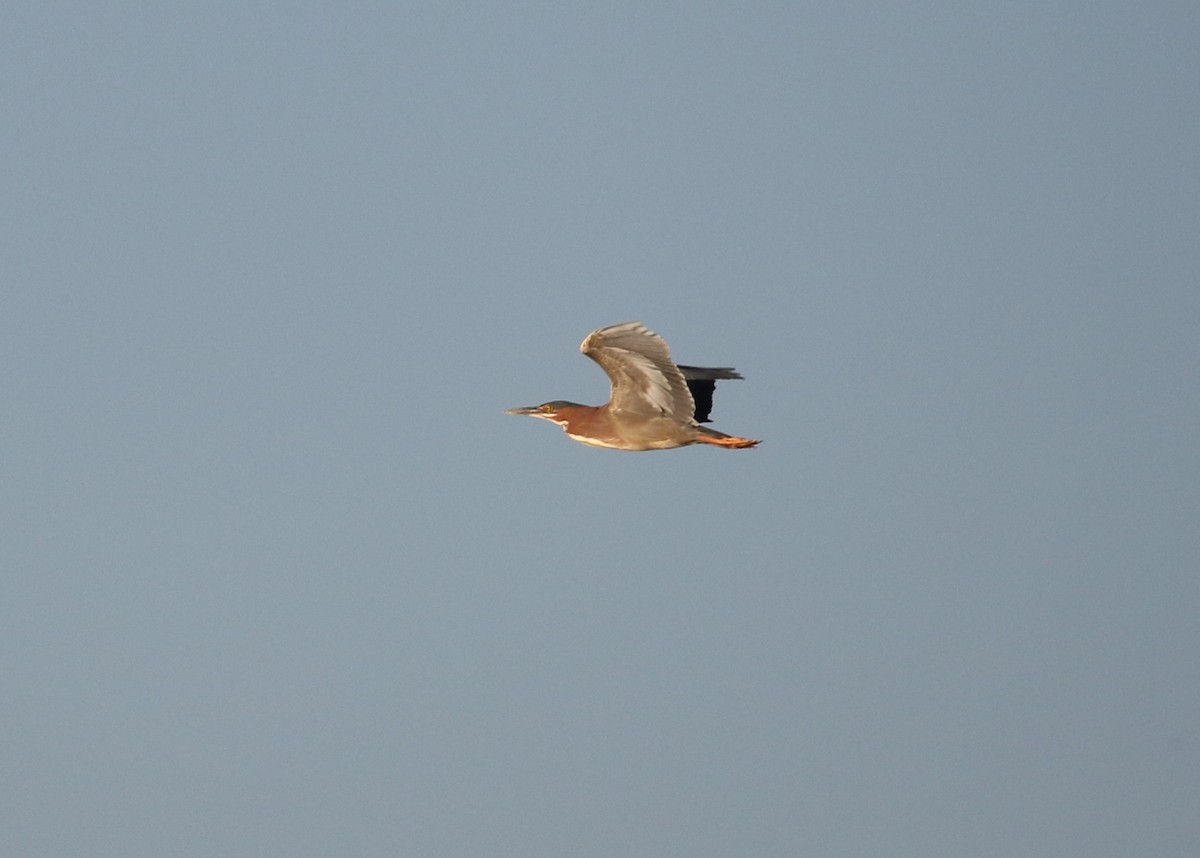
x,y
282,579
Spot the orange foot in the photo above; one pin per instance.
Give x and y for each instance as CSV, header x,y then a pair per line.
x,y
730,441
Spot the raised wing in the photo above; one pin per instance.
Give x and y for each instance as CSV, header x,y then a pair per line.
x,y
644,379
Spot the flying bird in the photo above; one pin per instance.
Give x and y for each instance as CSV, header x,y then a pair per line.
x,y
656,404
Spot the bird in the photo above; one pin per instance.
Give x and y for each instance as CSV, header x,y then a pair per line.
x,y
656,404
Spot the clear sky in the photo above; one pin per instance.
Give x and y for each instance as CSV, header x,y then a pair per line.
x,y
278,577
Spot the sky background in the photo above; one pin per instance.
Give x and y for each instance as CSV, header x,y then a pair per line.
x,y
278,577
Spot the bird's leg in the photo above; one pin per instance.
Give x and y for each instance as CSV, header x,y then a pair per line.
x,y
729,441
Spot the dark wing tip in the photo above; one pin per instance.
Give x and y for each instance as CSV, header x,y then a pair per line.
x,y
708,373
701,381
702,396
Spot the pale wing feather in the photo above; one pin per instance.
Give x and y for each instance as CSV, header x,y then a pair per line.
x,y
638,362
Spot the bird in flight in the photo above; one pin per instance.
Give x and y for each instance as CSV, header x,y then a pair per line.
x,y
656,404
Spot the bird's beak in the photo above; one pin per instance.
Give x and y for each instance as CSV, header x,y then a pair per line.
x,y
530,410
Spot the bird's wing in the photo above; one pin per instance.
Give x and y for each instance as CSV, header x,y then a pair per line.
x,y
644,380
701,381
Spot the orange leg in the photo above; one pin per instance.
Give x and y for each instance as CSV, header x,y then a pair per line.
x,y
730,441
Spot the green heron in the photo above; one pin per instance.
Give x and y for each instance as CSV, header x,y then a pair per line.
x,y
655,404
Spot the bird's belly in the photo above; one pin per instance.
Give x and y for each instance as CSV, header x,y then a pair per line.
x,y
639,446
